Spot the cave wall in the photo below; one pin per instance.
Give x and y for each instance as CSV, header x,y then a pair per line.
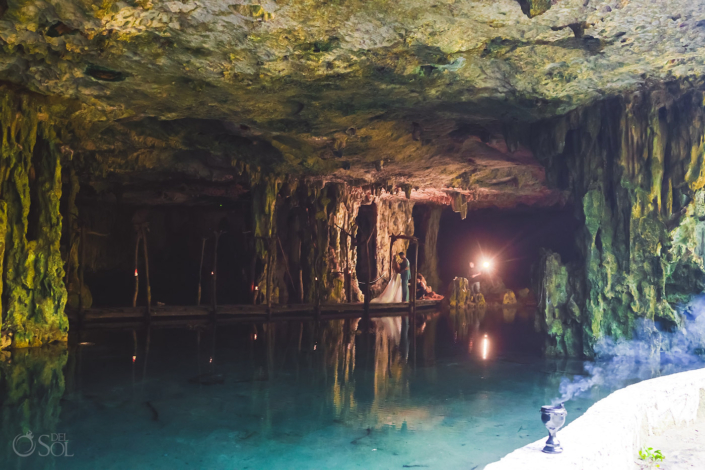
x,y
394,217
310,251
33,292
634,167
427,219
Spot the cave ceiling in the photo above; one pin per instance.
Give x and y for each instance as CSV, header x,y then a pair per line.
x,y
418,92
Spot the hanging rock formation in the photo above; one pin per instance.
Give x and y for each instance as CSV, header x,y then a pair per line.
x,y
634,166
33,291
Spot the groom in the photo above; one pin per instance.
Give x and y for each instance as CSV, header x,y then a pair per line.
x,y
405,274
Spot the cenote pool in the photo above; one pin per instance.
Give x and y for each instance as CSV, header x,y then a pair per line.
x,y
287,395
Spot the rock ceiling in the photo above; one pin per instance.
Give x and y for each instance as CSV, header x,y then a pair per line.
x,y
417,91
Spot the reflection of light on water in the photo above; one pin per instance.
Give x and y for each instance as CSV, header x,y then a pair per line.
x,y
485,346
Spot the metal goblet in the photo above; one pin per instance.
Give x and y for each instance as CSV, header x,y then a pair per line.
x,y
553,417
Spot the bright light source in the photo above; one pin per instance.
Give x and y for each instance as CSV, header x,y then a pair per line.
x,y
136,274
211,360
134,358
255,337
485,347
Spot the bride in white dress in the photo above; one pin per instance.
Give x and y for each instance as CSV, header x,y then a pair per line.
x,y
390,326
392,293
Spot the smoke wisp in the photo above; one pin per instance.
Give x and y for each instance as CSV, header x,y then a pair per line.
x,y
651,353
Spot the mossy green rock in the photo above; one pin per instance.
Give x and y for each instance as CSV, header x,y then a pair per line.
x,y
459,295
33,293
635,167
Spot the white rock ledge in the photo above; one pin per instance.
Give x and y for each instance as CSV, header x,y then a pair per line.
x,y
611,432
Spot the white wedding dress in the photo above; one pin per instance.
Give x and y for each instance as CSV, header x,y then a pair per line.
x,y
392,293
390,326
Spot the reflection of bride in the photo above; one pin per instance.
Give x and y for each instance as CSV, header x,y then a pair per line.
x,y
392,293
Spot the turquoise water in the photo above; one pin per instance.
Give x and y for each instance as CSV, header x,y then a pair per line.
x,y
293,395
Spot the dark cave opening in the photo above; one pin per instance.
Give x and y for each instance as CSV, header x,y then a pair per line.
x,y
511,238
366,222
181,243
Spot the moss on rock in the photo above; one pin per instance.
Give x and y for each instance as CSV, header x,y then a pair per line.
x,y
634,167
33,293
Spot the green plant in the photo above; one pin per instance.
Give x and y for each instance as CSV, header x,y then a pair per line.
x,y
651,456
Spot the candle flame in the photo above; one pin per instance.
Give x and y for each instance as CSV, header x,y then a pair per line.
x,y
134,358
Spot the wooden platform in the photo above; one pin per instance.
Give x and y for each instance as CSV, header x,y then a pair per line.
x,y
241,313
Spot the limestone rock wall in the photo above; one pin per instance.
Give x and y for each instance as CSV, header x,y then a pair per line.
x,y
394,217
634,167
428,252
311,249
33,292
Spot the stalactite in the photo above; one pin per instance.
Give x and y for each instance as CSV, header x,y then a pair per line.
x,y
264,202
343,252
30,179
635,168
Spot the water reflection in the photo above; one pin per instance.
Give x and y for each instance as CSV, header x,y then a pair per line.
x,y
285,395
31,388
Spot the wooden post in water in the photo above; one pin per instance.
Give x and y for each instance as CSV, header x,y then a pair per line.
x,y
269,272
146,271
200,271
253,270
81,271
391,257
138,235
367,284
414,272
214,273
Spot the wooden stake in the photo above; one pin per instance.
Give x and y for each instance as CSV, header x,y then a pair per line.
x,y
367,284
301,277
253,271
413,305
146,271
412,294
214,302
200,271
137,277
82,269
270,273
